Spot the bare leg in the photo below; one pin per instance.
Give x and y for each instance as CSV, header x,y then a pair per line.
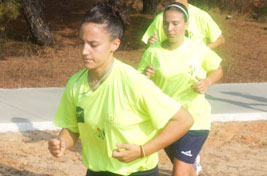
x,y
181,168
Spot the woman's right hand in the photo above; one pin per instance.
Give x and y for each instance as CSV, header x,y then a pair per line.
x,y
57,147
149,71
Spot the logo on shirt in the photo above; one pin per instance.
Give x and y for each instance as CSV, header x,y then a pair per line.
x,y
192,70
100,133
80,114
189,34
187,153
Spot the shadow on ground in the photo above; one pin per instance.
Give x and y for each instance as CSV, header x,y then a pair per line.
x,y
16,172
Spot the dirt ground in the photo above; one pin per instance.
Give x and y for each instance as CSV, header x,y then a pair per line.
x,y
24,64
232,149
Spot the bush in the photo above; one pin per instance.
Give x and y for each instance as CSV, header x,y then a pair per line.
x,y
254,8
9,10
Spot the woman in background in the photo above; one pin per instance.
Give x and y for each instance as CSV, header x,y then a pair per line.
x,y
184,70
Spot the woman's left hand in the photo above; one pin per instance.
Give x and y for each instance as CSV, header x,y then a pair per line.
x,y
202,85
127,152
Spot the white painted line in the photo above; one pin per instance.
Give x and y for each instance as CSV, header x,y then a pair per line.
x,y
238,117
27,126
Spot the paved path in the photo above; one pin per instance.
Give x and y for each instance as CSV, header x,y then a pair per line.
x,y
34,108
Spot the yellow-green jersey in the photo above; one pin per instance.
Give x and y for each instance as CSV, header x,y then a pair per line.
x,y
201,27
126,108
176,71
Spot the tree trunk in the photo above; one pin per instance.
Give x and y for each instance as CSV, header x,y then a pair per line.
x,y
150,6
34,14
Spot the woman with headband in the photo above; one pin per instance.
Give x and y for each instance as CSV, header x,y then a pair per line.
x,y
184,70
201,28
121,117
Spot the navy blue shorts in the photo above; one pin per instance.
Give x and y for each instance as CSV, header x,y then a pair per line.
x,y
188,147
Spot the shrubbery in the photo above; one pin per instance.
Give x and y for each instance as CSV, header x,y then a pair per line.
x,y
9,10
254,8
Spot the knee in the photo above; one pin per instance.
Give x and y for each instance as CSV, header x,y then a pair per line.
x,y
181,173
183,169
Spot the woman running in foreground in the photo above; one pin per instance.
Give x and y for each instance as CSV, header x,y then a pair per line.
x,y
121,117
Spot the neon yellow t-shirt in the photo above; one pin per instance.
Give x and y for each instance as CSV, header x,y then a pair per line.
x,y
126,108
176,71
201,27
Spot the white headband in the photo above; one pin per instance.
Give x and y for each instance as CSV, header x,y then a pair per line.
x,y
179,7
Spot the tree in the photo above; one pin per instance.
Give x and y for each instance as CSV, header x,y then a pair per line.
x,y
150,6
34,15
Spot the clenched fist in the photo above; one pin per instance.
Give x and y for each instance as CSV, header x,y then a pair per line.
x,y
153,39
57,147
149,71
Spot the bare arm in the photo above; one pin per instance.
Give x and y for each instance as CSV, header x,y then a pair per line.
x,y
217,43
175,129
66,139
215,75
203,84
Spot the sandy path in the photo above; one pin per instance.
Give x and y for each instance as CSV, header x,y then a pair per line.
x,y
236,148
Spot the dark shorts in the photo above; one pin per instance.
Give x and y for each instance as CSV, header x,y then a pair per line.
x,y
188,147
152,172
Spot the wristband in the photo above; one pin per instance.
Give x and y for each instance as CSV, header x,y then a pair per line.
x,y
143,154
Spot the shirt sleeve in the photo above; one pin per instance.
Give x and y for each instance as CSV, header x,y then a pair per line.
x,y
156,105
212,31
66,113
211,60
155,26
144,62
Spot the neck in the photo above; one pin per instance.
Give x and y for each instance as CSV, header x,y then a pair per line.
x,y
98,73
186,5
173,45
185,2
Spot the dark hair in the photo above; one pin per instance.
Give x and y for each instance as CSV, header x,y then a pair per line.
x,y
109,12
178,7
